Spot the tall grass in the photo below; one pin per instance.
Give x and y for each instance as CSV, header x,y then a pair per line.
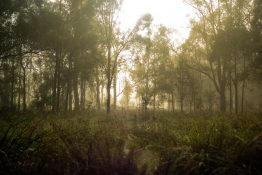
x,y
163,144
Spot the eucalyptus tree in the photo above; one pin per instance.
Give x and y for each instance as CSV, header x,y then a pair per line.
x,y
217,16
114,41
142,72
81,48
163,67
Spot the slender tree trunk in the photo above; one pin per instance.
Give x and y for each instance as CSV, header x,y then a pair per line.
x,y
194,102
182,104
102,95
54,93
243,88
83,91
70,100
236,87
243,97
24,89
70,97
108,98
190,106
19,90
67,96
12,84
230,94
115,86
97,90
58,85
115,89
108,87
28,80
222,99
169,102
76,94
223,89
154,102
20,79
84,95
236,98
173,102
56,88
221,72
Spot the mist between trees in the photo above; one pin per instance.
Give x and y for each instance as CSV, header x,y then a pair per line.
x,y
78,95
66,55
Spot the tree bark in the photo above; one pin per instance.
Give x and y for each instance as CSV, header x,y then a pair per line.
x,y
54,92
20,78
70,97
12,83
97,90
67,96
236,86
58,85
243,88
108,98
76,94
24,89
154,103
115,89
222,99
82,95
108,87
181,105
102,95
173,102
230,94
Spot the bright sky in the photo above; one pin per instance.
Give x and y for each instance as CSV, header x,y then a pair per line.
x,y
174,14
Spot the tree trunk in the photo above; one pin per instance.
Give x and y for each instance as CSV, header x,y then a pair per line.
x,y
222,100
102,95
58,86
182,105
108,87
230,94
20,80
70,97
67,96
115,89
12,84
154,103
243,88
97,90
236,87
173,102
83,91
76,94
54,86
19,91
108,98
24,89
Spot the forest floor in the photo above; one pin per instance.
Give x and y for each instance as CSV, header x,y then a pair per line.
x,y
131,143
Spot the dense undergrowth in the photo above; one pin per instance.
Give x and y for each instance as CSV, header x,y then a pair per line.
x,y
128,144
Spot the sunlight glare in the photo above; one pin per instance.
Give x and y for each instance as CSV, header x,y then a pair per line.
x,y
174,14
